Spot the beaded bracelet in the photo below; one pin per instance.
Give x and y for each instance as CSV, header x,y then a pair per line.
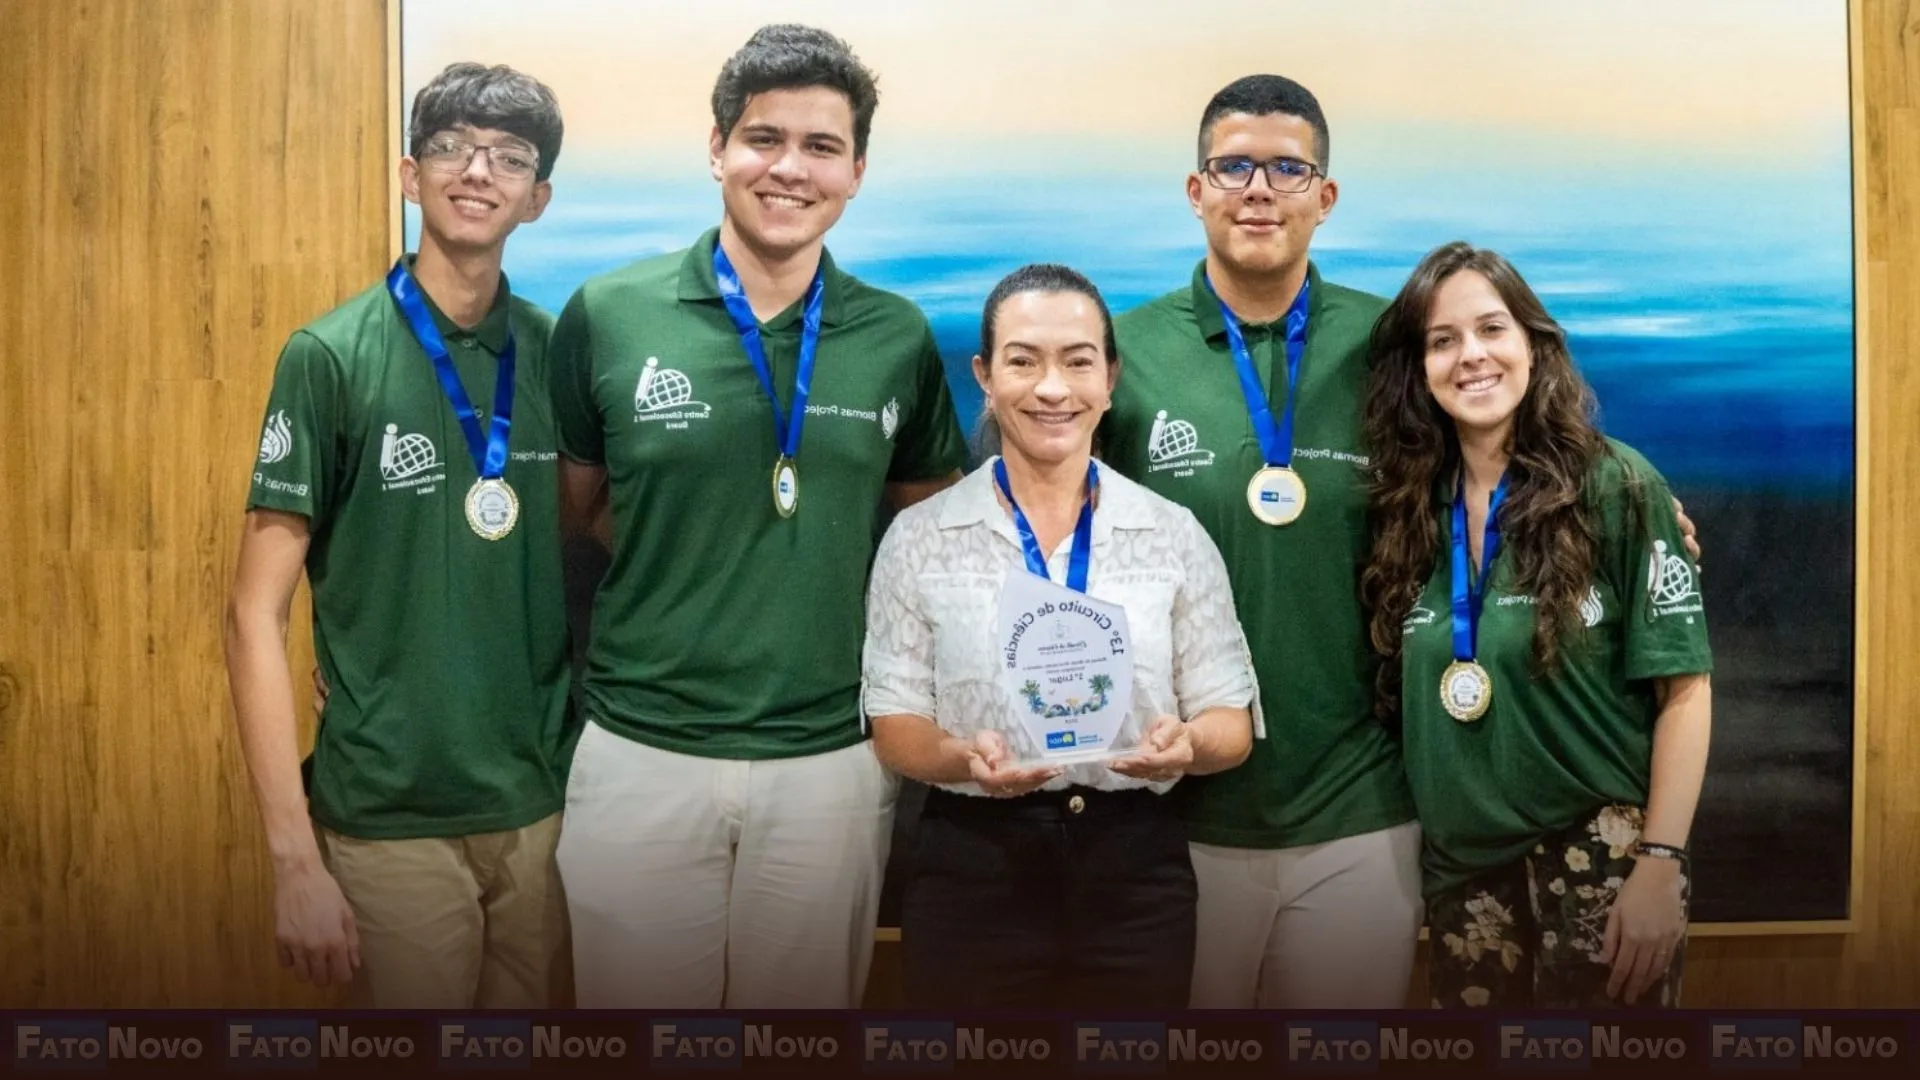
x,y
1659,851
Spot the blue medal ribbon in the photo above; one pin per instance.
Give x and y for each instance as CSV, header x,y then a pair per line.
x,y
1470,591
1276,440
786,429
488,449
1081,554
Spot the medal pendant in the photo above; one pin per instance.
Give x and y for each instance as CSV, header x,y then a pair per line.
x,y
1466,690
1277,495
786,487
492,508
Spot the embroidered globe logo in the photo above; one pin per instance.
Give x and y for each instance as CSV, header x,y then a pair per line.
x,y
411,454
1672,579
666,389
1175,438
664,393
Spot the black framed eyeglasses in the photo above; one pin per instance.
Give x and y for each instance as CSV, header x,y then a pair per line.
x,y
453,155
1285,175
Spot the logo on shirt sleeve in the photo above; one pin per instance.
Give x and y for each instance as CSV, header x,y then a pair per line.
x,y
1671,583
276,440
890,418
1175,444
1591,609
665,393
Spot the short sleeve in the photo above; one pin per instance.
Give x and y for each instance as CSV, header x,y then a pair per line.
x,y
896,663
930,444
577,419
295,469
1212,666
1665,628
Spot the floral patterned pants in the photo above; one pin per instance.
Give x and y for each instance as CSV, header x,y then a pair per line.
x,y
1526,935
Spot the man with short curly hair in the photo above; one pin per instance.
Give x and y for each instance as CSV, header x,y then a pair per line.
x,y
740,409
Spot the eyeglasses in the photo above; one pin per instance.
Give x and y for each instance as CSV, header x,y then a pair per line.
x,y
451,155
1285,175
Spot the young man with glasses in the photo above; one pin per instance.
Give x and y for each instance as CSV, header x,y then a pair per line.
x,y
742,407
407,465
1242,401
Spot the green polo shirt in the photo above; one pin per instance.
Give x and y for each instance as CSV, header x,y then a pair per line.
x,y
446,654
721,629
1550,750
1180,426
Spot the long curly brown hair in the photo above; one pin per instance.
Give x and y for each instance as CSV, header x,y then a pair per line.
x,y
1549,531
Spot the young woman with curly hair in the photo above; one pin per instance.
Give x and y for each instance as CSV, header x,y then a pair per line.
x,y
1546,652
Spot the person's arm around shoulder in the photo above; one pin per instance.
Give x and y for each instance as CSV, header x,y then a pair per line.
x,y
1212,672
313,923
585,503
585,509
930,450
904,493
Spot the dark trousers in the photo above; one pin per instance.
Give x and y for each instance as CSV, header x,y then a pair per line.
x,y
1068,898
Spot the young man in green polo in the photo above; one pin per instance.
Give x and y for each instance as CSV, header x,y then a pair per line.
x,y
742,407
1242,401
407,466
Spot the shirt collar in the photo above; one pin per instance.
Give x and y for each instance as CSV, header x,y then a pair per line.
x,y
1206,307
975,501
492,329
697,283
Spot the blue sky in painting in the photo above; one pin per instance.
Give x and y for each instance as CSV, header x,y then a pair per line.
x,y
1712,308
1673,178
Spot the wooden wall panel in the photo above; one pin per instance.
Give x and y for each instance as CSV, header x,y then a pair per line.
x,y
1889,970
195,178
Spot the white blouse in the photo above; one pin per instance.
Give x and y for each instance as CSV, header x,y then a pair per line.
x,y
933,605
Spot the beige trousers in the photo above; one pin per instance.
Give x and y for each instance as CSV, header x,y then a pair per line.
x,y
457,922
704,883
1321,926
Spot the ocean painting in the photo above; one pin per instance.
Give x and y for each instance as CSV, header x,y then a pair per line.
x,y
1674,179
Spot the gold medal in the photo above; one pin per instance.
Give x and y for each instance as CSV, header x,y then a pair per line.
x,y
786,487
492,508
1466,690
1277,495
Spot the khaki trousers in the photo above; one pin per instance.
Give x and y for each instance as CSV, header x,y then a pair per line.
x,y
456,922
704,883
1322,926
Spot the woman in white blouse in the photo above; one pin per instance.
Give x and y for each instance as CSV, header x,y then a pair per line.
x,y
1036,882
